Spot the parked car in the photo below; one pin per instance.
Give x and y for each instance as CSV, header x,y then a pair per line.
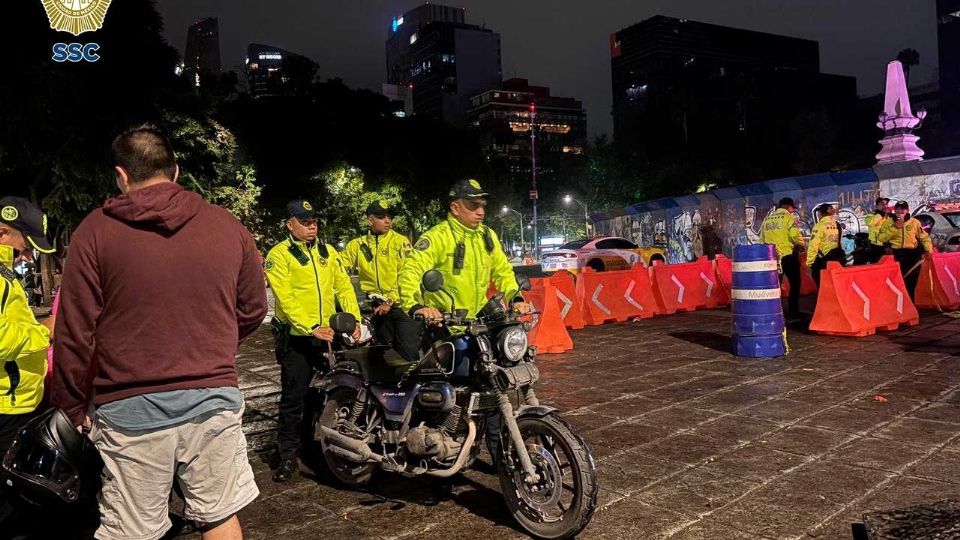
x,y
944,229
604,253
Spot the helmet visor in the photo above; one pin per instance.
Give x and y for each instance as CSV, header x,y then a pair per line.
x,y
31,459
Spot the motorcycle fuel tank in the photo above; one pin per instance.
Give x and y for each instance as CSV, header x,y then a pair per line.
x,y
395,401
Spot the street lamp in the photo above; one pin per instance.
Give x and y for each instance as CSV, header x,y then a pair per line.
x,y
506,209
586,217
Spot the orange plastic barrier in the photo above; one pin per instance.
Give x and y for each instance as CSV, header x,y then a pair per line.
x,y
724,267
939,284
566,292
548,334
609,296
858,300
687,286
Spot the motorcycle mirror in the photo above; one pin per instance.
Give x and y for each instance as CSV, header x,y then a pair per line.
x,y
343,323
524,282
432,281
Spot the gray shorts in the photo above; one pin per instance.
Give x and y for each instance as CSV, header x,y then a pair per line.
x,y
207,456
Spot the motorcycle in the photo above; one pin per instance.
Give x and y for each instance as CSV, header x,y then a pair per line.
x,y
423,419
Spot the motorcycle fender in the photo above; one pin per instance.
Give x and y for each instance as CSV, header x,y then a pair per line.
x,y
342,380
538,411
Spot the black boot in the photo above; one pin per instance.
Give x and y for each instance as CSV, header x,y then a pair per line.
x,y
286,471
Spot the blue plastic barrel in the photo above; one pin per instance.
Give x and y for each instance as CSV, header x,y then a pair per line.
x,y
758,323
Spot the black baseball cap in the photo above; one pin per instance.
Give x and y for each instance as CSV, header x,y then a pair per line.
x,y
467,189
300,208
902,204
786,201
379,208
882,200
26,217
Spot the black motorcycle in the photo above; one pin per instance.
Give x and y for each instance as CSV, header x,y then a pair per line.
x,y
428,418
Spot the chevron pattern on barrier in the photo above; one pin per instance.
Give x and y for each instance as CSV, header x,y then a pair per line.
x,y
859,300
939,284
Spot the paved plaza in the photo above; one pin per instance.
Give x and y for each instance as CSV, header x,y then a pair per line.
x,y
691,442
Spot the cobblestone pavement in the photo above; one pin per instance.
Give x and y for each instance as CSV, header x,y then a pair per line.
x,y
691,442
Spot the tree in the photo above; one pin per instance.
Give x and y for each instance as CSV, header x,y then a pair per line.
x,y
909,58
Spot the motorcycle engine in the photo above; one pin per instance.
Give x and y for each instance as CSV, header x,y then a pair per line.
x,y
424,441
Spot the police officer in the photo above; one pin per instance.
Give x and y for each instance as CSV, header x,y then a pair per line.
x,y
909,242
377,258
825,242
23,341
469,256
878,222
308,279
780,229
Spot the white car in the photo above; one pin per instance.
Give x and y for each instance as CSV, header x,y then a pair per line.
x,y
604,253
944,229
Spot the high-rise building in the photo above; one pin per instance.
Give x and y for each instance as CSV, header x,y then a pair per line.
x,y
202,53
716,92
445,61
272,71
502,119
948,36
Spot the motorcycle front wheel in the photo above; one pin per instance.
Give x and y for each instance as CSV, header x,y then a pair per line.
x,y
562,501
335,413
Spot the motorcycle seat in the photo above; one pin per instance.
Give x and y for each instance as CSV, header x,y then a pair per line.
x,y
379,364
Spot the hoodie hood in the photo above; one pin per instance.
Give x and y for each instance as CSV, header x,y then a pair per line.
x,y
165,207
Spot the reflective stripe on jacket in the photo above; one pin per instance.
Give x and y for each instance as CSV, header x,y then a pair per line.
x,y
378,259
824,238
780,229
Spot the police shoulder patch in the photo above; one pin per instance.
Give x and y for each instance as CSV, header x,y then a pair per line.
x,y
269,265
7,274
422,244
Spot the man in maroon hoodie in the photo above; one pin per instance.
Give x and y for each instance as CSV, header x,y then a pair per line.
x,y
158,290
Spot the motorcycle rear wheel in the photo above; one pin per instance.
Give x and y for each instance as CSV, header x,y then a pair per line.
x,y
335,411
561,504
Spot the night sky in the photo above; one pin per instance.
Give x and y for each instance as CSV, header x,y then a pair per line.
x,y
564,43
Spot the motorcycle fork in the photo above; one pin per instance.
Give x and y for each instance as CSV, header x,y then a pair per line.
x,y
506,411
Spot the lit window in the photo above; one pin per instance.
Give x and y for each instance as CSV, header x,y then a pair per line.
x,y
413,38
399,114
254,65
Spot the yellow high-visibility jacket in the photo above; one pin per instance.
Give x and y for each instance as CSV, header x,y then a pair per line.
x,y
877,224
378,259
436,249
909,236
305,285
23,344
825,237
780,229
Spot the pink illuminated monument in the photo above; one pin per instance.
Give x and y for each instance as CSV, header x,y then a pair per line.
x,y
897,121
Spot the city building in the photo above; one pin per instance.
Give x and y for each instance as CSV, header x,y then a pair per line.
x,y
202,53
703,90
502,119
948,36
400,97
272,71
444,60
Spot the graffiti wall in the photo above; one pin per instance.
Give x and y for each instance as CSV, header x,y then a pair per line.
x,y
688,227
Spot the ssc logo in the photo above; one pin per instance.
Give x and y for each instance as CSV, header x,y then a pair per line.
x,y
475,184
75,52
307,206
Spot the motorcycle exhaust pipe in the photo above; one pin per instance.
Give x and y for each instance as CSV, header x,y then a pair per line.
x,y
354,449
464,453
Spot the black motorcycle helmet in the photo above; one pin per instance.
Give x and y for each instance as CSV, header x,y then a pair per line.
x,y
51,462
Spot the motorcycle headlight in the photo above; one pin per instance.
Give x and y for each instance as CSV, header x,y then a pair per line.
x,y
513,343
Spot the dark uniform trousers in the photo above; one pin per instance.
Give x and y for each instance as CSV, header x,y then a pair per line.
x,y
908,258
298,360
790,266
836,254
398,330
